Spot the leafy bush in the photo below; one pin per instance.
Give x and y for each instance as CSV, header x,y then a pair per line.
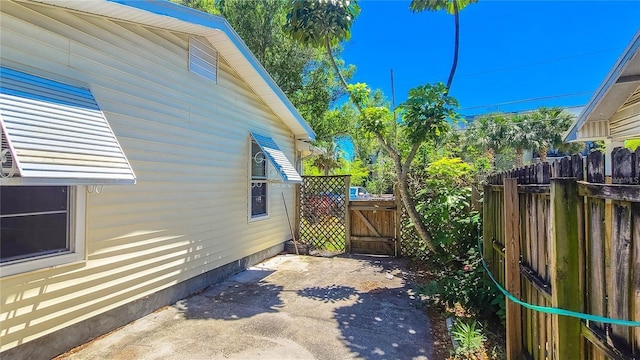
x,y
443,194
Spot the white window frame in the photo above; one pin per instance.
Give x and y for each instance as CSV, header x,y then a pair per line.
x,y
264,182
77,248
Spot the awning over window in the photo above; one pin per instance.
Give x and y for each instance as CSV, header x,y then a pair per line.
x,y
56,133
277,158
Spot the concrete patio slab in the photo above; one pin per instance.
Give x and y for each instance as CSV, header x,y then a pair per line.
x,y
288,307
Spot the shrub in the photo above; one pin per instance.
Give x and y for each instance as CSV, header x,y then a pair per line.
x,y
442,194
469,337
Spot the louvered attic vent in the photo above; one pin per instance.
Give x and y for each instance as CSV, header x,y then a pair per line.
x,y
203,58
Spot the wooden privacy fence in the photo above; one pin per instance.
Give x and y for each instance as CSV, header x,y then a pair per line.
x,y
563,235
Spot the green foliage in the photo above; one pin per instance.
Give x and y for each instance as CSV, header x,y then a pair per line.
x,y
357,169
376,120
451,169
443,194
425,112
202,5
469,337
360,94
437,5
632,144
316,22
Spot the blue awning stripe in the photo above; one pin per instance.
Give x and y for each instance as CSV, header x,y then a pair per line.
x,y
277,158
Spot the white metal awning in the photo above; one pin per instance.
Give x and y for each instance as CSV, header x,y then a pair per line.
x,y
277,158
55,133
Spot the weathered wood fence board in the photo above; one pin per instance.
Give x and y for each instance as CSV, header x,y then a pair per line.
x,y
374,227
579,248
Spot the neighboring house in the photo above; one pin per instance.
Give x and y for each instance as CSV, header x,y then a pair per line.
x,y
613,113
157,152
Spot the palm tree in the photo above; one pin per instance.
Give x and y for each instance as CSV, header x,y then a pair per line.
x,y
327,160
452,7
488,132
523,133
551,124
322,23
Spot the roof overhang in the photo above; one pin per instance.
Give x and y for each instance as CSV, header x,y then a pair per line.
x,y
621,82
170,16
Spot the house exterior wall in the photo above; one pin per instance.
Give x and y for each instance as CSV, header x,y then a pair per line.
x,y
625,123
187,140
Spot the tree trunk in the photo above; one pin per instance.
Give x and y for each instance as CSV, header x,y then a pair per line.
x,y
519,154
456,44
335,67
410,206
543,153
401,171
491,155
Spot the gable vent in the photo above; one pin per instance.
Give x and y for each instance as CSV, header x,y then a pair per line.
x,y
203,58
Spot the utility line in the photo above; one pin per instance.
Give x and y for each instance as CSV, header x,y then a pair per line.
x,y
539,62
528,100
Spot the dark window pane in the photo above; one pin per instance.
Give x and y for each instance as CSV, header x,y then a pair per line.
x,y
27,236
29,199
258,199
258,162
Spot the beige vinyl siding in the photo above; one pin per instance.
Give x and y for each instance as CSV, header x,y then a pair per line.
x,y
625,123
187,140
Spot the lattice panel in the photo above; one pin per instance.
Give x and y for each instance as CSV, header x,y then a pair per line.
x,y
410,242
323,207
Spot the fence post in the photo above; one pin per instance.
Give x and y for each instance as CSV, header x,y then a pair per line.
x,y
399,209
512,267
565,267
298,209
488,212
347,216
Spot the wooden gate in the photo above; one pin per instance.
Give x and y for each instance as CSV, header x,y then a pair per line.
x,y
328,222
374,227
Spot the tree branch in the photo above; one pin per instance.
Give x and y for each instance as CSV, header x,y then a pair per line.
x,y
412,154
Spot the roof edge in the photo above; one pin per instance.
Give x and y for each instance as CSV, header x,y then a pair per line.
x,y
605,86
187,14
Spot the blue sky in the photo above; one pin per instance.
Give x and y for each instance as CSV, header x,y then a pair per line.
x,y
509,50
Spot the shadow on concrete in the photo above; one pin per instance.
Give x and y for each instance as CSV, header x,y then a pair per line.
x,y
380,326
242,296
328,294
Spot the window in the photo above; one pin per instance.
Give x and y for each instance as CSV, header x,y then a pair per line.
x,y
39,227
258,182
203,58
